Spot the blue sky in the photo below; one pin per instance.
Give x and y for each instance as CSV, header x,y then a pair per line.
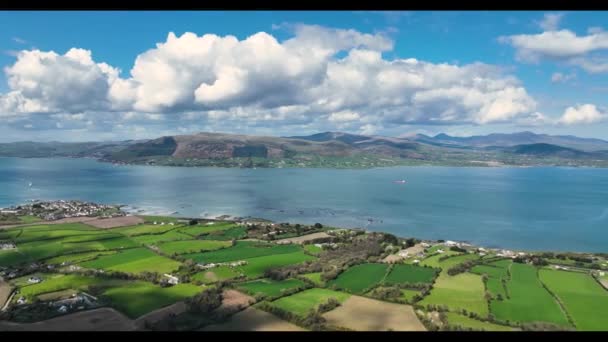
x,y
539,79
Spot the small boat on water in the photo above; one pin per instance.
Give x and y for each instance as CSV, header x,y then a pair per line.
x,y
399,181
30,185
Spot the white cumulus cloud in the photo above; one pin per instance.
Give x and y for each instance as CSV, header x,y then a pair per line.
x,y
582,114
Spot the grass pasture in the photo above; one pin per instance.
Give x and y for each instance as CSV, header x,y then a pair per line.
x,y
302,302
467,322
144,229
257,266
312,249
529,301
270,288
585,300
314,277
243,250
203,228
77,257
138,298
226,234
405,273
57,282
192,246
359,278
462,291
152,239
135,260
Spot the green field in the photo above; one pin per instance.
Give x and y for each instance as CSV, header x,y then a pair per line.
x,y
467,322
408,294
27,219
216,274
77,257
152,239
491,271
42,249
404,273
312,249
138,298
134,260
257,266
314,277
227,234
57,282
302,302
270,288
144,229
206,229
360,278
585,300
192,246
462,291
529,301
496,272
243,250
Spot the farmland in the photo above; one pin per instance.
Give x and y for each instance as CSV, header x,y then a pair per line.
x,y
359,278
302,302
192,246
528,301
467,322
256,267
403,274
270,288
149,297
243,250
584,299
135,260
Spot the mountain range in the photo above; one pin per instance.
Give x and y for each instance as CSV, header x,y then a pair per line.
x,y
330,149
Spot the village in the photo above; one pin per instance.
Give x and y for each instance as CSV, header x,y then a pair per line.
x,y
56,210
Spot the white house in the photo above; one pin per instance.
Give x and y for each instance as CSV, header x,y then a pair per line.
x,y
602,274
425,245
440,251
21,300
450,243
416,261
34,280
403,253
63,309
173,280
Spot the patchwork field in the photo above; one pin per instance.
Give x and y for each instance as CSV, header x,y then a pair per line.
x,y
529,301
410,274
257,266
252,319
467,322
144,229
270,288
135,260
138,298
77,257
201,229
302,302
496,272
243,250
585,300
364,314
192,246
152,239
226,234
312,249
216,274
57,282
462,291
360,278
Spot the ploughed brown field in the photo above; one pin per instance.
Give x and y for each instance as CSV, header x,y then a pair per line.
x,y
364,314
233,301
252,319
304,238
114,222
104,319
81,219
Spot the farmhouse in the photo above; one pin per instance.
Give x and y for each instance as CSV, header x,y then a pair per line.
x,y
425,245
34,280
173,280
7,245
